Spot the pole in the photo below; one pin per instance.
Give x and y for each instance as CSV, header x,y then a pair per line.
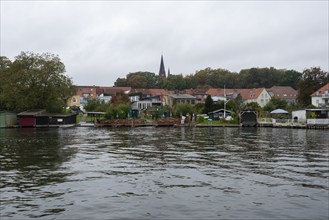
x,y
224,104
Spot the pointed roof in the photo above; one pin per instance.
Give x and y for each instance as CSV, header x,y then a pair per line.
x,y
162,71
283,92
322,90
247,94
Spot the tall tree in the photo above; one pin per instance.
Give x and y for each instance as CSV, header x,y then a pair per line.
x,y
35,81
5,64
175,82
312,79
139,79
275,103
208,106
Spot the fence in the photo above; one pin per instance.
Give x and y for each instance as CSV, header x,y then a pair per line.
x,y
318,121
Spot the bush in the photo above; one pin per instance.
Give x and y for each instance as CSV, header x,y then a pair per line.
x,y
121,111
96,105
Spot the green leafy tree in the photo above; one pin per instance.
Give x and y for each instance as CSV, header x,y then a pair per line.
x,y
275,103
199,108
96,105
5,64
233,105
208,106
35,81
121,82
139,79
175,82
119,111
312,79
184,109
251,106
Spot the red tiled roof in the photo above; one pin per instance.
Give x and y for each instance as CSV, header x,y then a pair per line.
x,y
321,90
250,93
245,93
156,92
112,90
151,92
283,92
195,91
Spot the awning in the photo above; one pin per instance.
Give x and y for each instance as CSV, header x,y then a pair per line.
x,y
279,111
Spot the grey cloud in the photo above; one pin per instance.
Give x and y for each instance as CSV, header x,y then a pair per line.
x,y
101,41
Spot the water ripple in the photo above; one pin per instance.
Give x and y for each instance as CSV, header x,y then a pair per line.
x,y
164,173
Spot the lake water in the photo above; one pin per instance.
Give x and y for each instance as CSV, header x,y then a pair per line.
x,y
164,173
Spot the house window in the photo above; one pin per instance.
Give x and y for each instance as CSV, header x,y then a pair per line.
x,y
74,100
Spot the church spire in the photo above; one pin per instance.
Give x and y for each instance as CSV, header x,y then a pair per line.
x,y
162,71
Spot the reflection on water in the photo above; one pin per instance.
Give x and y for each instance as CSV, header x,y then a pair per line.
x,y
164,173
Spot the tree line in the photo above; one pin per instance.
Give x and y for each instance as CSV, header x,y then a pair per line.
x,y
214,78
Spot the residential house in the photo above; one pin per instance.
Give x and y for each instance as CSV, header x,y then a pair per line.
x,y
199,94
173,99
217,94
85,93
74,101
143,99
106,93
259,95
320,98
286,93
222,94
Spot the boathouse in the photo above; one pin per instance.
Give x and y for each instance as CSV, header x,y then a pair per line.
x,y
41,118
7,119
248,118
311,116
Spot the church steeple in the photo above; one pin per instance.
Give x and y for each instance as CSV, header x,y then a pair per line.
x,y
162,71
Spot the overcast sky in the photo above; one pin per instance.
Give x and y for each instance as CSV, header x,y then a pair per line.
x,y
103,40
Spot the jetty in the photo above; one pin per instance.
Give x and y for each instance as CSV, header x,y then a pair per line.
x,y
121,123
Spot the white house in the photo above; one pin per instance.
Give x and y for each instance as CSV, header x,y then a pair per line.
x,y
320,98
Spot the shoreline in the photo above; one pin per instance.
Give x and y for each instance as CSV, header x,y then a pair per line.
x,y
259,125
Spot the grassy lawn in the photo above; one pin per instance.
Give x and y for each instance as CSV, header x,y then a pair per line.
x,y
88,118
206,122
